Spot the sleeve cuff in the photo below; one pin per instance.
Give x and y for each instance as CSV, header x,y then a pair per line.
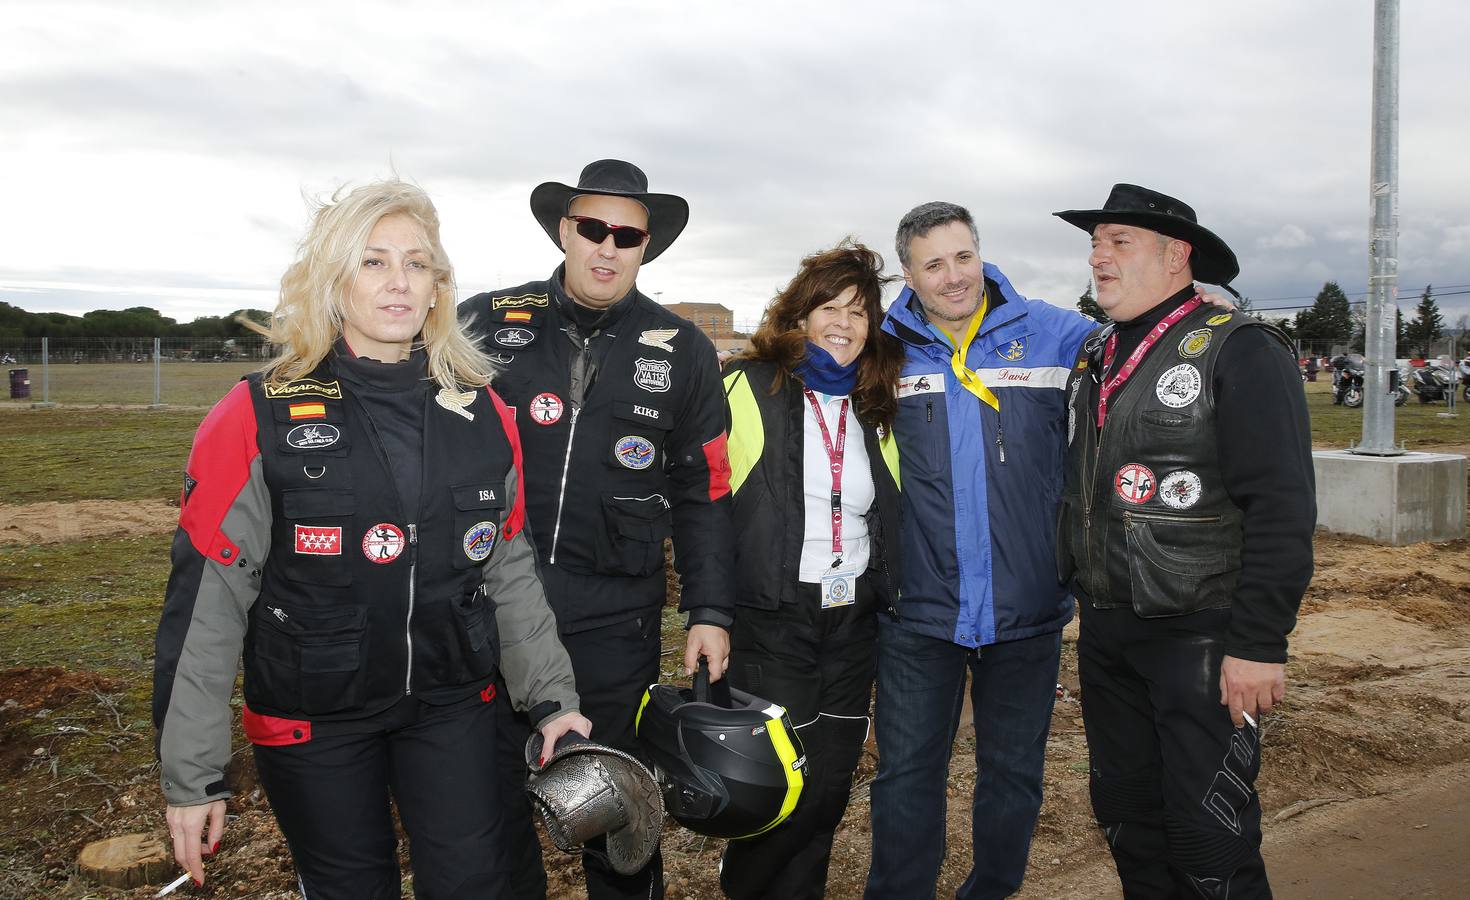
x,y
708,615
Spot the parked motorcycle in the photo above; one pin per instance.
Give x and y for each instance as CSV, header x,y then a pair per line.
x,y
1349,389
1399,386
1433,383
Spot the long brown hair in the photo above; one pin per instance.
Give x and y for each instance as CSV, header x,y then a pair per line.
x,y
781,337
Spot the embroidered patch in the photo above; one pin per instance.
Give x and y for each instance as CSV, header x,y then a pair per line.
x,y
383,542
920,384
1135,483
514,337
633,452
307,411
1179,386
658,337
519,300
479,540
518,315
1180,490
329,389
319,540
313,437
1221,319
653,374
455,402
1195,343
1013,351
546,409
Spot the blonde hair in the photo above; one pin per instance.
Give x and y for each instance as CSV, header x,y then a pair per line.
x,y
309,316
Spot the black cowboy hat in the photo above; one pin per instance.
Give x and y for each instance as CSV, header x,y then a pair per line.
x,y
1211,261
667,213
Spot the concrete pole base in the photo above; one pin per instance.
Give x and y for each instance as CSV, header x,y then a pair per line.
x,y
1394,500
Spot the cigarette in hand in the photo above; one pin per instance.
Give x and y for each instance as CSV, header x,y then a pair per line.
x,y
173,885
1248,720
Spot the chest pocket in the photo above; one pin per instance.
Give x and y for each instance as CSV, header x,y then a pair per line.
x,y
921,426
638,435
319,531
477,521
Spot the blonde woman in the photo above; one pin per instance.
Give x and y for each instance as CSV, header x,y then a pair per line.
x,y
351,522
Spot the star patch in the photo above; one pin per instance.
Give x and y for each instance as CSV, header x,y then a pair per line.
x,y
319,540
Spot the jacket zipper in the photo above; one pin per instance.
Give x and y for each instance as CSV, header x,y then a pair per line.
x,y
561,496
1128,517
413,563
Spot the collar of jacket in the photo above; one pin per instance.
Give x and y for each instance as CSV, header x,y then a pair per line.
x,y
564,304
905,319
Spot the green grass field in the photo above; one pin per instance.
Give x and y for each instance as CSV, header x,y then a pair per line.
x,y
131,384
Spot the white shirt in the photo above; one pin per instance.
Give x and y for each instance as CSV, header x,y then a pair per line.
x,y
816,482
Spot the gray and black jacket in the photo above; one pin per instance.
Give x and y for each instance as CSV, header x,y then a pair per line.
x,y
294,548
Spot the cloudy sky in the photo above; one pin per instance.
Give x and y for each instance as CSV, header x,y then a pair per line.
x,y
160,153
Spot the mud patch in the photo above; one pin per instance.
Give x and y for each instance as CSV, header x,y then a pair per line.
x,y
54,523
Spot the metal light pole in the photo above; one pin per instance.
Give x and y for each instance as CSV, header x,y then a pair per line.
x,y
1383,240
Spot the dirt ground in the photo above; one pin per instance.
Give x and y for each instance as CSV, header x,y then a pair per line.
x,y
1365,783
54,523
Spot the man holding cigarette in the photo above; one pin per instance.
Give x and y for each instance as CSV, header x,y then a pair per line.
x,y
1186,538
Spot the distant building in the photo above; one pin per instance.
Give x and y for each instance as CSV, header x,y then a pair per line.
x,y
713,319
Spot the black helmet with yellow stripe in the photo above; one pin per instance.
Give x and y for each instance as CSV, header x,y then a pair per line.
x,y
729,764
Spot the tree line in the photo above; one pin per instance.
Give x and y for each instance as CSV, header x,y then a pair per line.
x,y
135,322
1331,319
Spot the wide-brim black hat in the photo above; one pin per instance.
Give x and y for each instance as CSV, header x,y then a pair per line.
x,y
1212,261
667,213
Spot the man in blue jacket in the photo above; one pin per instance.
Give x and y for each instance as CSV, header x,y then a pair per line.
x,y
980,429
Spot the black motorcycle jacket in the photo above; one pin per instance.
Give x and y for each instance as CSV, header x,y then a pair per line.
x,y
625,445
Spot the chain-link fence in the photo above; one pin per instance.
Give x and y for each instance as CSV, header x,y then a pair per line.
x,y
128,371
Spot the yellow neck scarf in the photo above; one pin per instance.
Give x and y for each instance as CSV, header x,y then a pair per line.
x,y
967,376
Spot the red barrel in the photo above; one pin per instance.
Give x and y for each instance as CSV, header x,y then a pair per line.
x,y
20,384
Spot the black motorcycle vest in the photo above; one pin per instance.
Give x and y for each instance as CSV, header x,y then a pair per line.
x,y
1145,519
359,606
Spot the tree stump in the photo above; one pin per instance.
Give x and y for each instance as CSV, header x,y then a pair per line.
x,y
129,860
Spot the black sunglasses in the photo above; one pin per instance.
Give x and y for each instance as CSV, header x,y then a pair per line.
x,y
625,237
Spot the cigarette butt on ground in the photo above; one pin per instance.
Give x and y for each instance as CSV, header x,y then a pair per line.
x,y
173,885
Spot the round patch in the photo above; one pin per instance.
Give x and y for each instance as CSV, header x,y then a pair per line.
x,y
546,409
514,337
1195,343
1179,386
383,543
479,540
1221,319
1180,490
633,452
313,437
1135,483
838,590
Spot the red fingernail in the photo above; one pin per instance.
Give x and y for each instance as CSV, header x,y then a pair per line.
x,y
197,882
215,849
542,761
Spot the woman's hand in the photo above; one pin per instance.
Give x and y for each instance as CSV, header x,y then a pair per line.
x,y
552,731
186,828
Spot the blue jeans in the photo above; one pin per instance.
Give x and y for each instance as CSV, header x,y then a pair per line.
x,y
921,682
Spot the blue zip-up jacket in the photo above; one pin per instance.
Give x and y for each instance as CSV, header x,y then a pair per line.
x,y
980,491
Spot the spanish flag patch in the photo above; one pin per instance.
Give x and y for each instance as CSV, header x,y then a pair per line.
x,y
517,315
308,411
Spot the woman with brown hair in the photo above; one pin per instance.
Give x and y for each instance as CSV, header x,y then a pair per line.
x,y
816,519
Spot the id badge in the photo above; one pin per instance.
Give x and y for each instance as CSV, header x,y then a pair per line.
x,y
839,589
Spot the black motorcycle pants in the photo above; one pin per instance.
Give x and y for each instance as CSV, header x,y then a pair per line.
x,y
818,663
331,798
1172,778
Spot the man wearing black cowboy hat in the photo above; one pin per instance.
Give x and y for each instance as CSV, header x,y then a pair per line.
x,y
621,418
1186,537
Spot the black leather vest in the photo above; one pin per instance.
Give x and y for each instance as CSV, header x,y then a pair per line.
x,y
359,606
1145,519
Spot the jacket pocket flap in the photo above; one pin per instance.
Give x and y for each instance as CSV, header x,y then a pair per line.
x,y
306,503
480,495
644,413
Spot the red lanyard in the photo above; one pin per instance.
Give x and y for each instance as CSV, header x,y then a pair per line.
x,y
1110,385
834,458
